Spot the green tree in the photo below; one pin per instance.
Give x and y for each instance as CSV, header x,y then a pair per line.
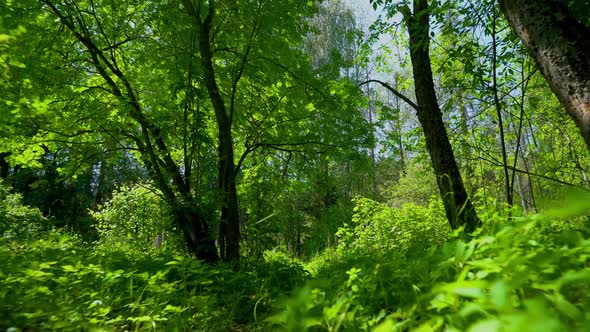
x,y
458,207
141,81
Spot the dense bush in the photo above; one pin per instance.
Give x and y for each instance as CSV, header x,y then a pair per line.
x,y
377,227
136,218
18,221
416,185
525,276
281,273
58,284
250,295
395,269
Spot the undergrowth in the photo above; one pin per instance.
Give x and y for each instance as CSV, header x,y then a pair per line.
x,y
394,270
529,274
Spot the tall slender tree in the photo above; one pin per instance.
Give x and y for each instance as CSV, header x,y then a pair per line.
x,y
458,207
106,57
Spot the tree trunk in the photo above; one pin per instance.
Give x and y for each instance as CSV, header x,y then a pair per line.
x,y
229,229
4,166
298,243
467,150
196,232
560,46
100,181
524,202
458,207
498,107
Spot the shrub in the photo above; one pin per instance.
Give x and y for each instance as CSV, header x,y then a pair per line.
x,y
280,273
523,276
136,218
18,221
379,228
416,185
56,283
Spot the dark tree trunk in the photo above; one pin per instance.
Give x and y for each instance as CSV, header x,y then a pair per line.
x,y
560,46
196,232
458,207
100,192
4,166
229,229
298,243
498,106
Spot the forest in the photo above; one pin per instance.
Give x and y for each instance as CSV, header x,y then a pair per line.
x,y
295,165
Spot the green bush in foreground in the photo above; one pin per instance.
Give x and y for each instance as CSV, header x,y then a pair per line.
x,y
527,276
60,283
57,284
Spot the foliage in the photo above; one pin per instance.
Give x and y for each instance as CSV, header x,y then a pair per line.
x,y
56,283
135,217
524,276
281,273
18,221
417,185
106,112
378,228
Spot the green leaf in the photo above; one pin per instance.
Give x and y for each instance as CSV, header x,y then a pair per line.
x,y
565,307
489,325
69,268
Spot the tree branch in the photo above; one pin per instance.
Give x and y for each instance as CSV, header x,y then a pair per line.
x,y
279,147
499,164
394,91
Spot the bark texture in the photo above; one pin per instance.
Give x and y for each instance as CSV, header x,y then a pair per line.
x,y
458,207
560,46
